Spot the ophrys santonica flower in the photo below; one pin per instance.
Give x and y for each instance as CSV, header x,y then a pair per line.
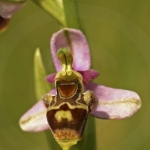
x,y
75,91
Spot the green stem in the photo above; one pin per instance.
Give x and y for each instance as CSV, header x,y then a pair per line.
x,y
89,140
52,144
71,14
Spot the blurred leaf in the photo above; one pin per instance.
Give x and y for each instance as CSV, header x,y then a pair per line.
x,y
54,8
41,86
13,1
60,3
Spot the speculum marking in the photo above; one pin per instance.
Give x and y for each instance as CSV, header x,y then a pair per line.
x,y
63,115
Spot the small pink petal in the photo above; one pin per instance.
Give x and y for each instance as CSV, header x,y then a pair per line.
x,y
34,120
89,75
76,42
114,103
50,78
7,9
53,92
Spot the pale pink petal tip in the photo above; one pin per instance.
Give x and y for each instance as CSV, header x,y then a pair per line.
x,y
34,120
76,42
53,92
51,78
114,103
89,75
7,9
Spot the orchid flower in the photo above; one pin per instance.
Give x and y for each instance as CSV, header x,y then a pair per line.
x,y
71,57
7,9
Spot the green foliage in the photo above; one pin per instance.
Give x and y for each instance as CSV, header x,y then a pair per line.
x,y
41,86
71,14
53,8
118,33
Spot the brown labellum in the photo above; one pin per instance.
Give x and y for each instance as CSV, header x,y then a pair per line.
x,y
68,111
71,123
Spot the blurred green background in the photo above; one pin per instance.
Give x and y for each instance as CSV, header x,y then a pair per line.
x,y
118,33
